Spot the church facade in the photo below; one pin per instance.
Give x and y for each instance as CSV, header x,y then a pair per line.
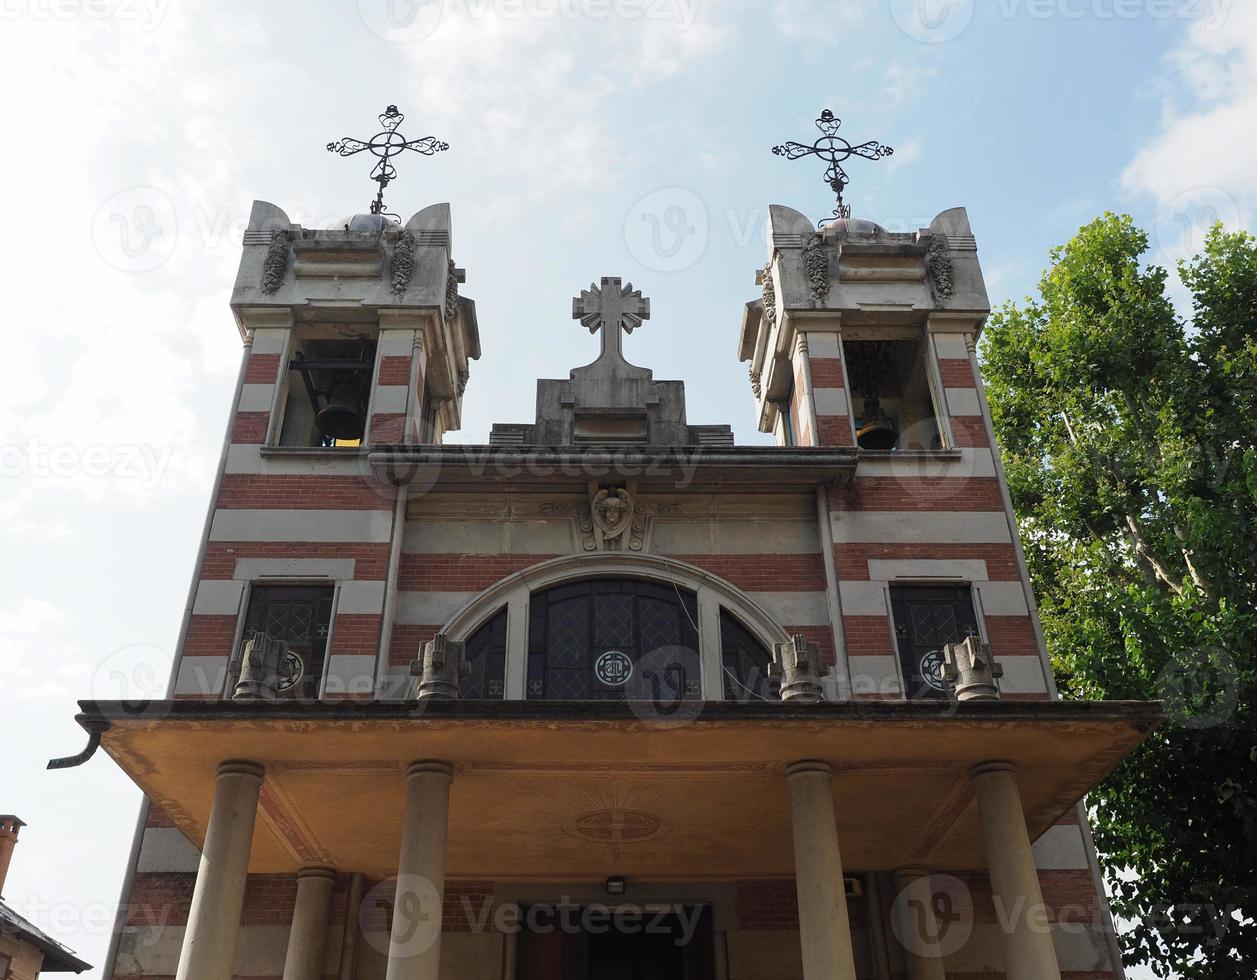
x,y
612,696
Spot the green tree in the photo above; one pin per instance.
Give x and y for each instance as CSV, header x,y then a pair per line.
x,y
1130,441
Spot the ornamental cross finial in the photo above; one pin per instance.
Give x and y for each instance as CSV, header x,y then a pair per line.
x,y
611,308
834,149
385,145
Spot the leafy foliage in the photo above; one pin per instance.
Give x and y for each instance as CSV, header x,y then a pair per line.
x,y
1130,443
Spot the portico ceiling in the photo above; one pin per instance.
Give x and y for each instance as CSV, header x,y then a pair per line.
x,y
590,789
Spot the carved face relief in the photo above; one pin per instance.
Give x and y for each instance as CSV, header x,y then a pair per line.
x,y
610,511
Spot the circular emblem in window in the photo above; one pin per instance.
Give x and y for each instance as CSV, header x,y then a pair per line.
x,y
931,670
613,668
291,670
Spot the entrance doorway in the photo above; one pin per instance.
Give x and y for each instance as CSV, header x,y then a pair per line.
x,y
649,942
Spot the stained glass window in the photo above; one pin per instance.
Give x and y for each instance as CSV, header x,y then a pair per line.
x,y
745,662
301,616
613,640
486,656
927,618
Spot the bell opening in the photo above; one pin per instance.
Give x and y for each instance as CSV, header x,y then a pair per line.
x,y
329,387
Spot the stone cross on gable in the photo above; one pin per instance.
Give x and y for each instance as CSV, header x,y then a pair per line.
x,y
611,308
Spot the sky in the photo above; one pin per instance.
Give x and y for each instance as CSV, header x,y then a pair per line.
x,y
588,138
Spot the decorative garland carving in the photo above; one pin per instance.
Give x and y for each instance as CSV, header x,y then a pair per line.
x,y
463,377
451,294
403,262
938,264
816,267
757,385
275,265
770,295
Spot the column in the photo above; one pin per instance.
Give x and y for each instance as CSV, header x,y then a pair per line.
x,y
1024,927
916,926
824,929
306,938
209,941
415,943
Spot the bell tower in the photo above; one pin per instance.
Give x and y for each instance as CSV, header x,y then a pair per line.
x,y
862,337
359,335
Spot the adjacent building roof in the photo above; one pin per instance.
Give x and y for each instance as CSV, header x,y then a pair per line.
x,y
57,958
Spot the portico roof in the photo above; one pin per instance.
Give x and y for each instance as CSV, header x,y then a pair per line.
x,y
588,789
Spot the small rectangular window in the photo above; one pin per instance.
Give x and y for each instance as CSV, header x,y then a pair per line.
x,y
301,616
927,618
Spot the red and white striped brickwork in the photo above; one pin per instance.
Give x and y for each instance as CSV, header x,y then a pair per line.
x,y
301,517
280,516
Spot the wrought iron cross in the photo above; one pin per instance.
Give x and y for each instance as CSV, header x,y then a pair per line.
x,y
385,145
611,308
834,149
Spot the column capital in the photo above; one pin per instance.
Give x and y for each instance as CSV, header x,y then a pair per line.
x,y
809,766
991,766
317,871
430,766
241,767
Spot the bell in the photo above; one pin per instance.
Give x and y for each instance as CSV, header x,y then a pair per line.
x,y
342,417
876,430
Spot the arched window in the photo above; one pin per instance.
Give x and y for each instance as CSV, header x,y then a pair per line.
x,y
613,640
486,656
745,664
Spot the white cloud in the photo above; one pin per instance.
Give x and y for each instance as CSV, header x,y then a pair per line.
x,y
1198,166
905,81
528,86
804,19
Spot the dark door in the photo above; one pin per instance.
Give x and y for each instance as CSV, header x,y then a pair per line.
x,y
927,617
655,945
